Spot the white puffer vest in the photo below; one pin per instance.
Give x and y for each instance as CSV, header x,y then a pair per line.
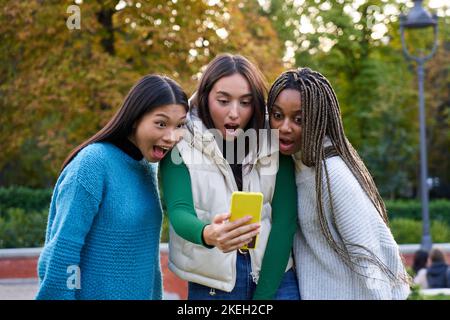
x,y
212,184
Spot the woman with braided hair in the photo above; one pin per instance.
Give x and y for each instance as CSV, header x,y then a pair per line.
x,y
343,248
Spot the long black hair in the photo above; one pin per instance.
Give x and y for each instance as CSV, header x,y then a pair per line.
x,y
148,93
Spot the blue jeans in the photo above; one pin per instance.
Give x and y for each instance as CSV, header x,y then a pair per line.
x,y
245,287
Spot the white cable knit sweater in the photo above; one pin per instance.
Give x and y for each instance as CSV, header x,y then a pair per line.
x,y
321,273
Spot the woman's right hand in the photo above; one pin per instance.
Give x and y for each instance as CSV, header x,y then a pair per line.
x,y
229,236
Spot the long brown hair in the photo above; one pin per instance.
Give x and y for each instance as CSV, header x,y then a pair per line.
x,y
321,117
225,65
148,93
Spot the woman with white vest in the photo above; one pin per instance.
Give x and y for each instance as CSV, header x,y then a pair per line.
x,y
207,166
343,248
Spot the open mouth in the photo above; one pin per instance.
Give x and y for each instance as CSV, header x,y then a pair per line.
x,y
160,151
231,128
286,143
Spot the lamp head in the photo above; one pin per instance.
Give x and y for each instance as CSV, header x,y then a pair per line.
x,y
418,17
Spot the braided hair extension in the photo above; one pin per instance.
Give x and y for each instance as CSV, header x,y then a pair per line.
x,y
320,117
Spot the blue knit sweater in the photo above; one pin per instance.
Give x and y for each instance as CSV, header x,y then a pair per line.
x,y
103,229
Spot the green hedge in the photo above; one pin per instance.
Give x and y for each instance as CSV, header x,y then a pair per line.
x,y
21,229
23,218
412,209
24,198
410,231
39,199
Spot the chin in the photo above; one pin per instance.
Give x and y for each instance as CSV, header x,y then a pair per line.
x,y
287,153
150,159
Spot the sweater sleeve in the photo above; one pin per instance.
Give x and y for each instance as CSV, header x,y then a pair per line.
x,y
157,292
362,230
284,226
72,211
177,195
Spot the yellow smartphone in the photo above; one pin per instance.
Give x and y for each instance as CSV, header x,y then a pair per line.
x,y
247,204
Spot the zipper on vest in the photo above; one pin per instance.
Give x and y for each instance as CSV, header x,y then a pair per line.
x,y
254,277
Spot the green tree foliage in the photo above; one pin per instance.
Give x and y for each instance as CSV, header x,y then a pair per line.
x,y
356,45
59,86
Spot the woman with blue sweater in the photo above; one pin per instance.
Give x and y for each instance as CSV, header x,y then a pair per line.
x,y
104,225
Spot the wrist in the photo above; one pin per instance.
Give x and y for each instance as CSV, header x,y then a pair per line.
x,y
205,236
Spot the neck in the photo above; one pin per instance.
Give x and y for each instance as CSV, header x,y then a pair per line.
x,y
128,146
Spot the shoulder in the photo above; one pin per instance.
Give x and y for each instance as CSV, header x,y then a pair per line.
x,y
91,162
96,156
98,151
422,272
337,165
340,174
421,278
88,169
346,191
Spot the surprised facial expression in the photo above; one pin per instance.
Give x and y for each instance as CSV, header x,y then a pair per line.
x,y
286,117
230,105
157,132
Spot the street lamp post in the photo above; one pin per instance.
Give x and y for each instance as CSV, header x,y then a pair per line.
x,y
419,18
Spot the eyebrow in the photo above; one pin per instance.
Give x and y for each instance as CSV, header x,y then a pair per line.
x,y
275,106
162,115
278,107
167,117
229,95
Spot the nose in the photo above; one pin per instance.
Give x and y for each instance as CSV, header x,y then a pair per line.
x,y
234,111
171,137
285,127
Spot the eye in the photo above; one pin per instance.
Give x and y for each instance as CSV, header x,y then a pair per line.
x,y
181,125
246,103
298,120
161,124
277,115
222,101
